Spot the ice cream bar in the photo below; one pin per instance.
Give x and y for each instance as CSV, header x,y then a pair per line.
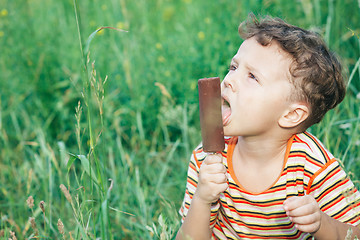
x,y
210,114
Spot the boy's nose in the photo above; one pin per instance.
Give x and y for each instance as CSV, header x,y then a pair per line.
x,y
227,83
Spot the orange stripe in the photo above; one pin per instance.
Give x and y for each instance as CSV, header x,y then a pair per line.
x,y
199,150
232,221
192,182
327,178
317,174
304,155
301,141
257,215
355,220
196,160
260,204
192,166
272,190
340,214
308,158
319,145
331,204
332,188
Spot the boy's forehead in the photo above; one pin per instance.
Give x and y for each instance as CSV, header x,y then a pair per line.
x,y
273,49
253,43
268,58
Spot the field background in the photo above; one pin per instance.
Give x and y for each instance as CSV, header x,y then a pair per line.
x,y
121,146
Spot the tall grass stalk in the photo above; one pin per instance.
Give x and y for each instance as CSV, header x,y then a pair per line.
x,y
87,98
93,91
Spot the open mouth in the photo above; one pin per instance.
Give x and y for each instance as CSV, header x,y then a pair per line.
x,y
226,111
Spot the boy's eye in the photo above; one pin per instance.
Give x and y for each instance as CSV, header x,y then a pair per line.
x,y
232,67
252,76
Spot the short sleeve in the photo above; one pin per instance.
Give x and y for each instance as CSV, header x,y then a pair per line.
x,y
191,185
336,193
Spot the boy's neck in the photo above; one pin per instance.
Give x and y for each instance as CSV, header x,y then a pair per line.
x,y
260,151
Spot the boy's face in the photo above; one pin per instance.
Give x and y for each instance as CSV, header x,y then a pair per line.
x,y
256,89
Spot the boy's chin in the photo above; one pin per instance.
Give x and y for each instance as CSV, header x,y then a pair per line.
x,y
227,132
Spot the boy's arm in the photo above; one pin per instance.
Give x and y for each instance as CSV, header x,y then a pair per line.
x,y
212,182
331,228
305,213
197,222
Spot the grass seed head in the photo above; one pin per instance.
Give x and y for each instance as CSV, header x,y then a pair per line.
x,y
30,202
60,227
12,234
66,193
33,225
42,206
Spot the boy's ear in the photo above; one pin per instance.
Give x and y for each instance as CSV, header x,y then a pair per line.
x,y
294,116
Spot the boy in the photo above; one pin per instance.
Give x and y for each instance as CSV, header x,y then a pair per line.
x,y
274,180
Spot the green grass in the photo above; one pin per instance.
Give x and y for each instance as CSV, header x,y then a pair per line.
x,y
148,124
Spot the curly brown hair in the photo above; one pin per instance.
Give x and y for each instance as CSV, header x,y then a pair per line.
x,y
316,73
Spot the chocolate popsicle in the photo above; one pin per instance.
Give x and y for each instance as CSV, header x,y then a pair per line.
x,y
210,114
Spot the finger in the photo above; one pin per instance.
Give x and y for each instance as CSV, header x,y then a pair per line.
x,y
304,210
309,228
213,158
219,178
217,189
213,168
296,202
222,187
306,219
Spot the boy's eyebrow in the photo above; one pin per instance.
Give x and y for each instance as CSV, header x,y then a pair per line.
x,y
256,71
234,59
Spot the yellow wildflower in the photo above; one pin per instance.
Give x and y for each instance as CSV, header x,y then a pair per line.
x,y
103,7
120,25
1,33
168,13
158,46
4,12
161,59
201,35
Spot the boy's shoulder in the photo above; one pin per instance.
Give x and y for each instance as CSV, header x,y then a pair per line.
x,y
311,148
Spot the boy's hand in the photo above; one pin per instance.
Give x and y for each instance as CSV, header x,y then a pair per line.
x,y
304,212
212,179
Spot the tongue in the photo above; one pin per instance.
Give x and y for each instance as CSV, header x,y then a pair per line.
x,y
226,112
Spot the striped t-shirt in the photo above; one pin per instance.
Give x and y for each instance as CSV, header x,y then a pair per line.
x,y
309,168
